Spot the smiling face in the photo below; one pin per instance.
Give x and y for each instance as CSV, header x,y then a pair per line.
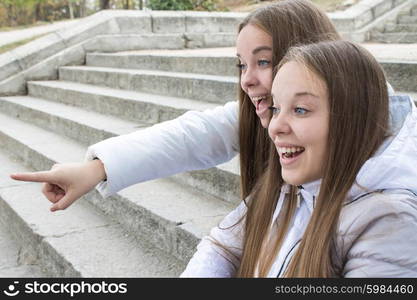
x,y
254,50
299,125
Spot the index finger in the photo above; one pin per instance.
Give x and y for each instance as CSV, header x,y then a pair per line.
x,y
42,176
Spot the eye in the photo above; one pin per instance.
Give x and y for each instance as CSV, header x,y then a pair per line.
x,y
264,62
300,111
274,110
241,66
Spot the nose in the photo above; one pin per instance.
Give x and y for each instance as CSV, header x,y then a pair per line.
x,y
248,79
279,125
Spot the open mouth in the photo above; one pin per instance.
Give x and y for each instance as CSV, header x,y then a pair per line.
x,y
258,100
290,152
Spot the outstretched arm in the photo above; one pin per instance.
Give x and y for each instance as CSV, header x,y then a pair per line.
x,y
193,141
196,140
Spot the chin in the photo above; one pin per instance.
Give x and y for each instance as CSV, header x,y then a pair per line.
x,y
293,180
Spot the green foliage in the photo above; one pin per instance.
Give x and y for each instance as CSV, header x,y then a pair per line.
x,y
209,5
16,12
170,4
24,12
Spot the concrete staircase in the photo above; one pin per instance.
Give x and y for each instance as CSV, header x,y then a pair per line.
x,y
147,230
402,30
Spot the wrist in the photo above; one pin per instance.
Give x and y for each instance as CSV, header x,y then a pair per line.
x,y
98,169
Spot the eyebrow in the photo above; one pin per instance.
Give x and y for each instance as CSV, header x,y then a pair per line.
x,y
258,49
261,48
300,94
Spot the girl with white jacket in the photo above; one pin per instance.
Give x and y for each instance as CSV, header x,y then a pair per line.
x,y
201,140
339,197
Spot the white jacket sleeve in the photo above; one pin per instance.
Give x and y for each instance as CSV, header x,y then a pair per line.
x,y
212,260
193,141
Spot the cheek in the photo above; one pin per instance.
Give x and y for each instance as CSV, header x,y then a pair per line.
x,y
266,79
270,131
272,127
318,144
313,137
243,87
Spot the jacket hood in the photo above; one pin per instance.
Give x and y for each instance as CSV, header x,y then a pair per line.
x,y
394,164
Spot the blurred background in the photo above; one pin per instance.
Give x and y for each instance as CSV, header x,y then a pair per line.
x,y
25,13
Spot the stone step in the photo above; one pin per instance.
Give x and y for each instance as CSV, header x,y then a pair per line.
x,y
89,127
407,19
128,105
401,28
79,242
11,262
14,261
73,122
225,58
401,75
210,88
213,62
392,52
393,38
161,212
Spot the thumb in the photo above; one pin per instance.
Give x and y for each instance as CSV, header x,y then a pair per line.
x,y
65,202
43,176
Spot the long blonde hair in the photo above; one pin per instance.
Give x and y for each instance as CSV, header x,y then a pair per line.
x,y
358,124
288,22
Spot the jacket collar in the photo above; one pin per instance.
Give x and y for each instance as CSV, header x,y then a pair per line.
x,y
309,192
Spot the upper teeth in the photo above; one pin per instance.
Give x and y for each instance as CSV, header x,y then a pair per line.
x,y
282,150
258,98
